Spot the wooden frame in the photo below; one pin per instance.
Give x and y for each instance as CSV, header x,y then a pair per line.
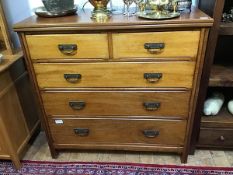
x,y
5,34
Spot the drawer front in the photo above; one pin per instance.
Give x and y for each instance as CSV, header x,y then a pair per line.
x,y
107,103
68,46
78,131
170,74
178,44
216,137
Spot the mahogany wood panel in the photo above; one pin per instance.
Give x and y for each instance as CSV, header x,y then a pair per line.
x,y
88,46
121,103
115,74
223,120
178,44
216,137
118,131
221,76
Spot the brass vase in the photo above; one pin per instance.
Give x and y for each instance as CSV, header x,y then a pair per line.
x,y
100,12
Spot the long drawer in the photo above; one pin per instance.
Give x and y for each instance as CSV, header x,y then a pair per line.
x,y
175,44
216,137
68,46
117,103
120,131
147,74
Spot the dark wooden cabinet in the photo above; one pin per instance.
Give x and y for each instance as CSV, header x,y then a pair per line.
x,y
216,131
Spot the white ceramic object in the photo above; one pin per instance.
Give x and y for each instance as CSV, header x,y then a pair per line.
x,y
230,106
213,104
1,58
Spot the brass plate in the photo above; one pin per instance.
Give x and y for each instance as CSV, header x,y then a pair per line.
x,y
154,15
42,12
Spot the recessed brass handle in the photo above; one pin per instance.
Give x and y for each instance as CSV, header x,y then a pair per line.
x,y
68,49
77,105
150,133
151,106
73,78
83,132
153,77
154,48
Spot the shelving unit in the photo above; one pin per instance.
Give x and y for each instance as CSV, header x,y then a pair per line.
x,y
221,76
216,131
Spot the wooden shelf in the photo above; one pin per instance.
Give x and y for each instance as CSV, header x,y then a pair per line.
x,y
221,76
223,119
226,28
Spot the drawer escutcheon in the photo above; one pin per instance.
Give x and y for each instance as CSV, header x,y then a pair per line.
x,y
153,77
151,106
77,105
68,49
83,132
154,48
73,78
150,133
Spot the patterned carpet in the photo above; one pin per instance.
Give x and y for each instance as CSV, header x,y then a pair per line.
x,y
85,168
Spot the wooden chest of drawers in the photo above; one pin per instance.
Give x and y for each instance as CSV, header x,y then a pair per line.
x,y
128,84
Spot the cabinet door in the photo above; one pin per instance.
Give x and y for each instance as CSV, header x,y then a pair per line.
x,y
3,150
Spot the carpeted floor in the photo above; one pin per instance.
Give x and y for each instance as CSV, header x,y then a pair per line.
x,y
84,168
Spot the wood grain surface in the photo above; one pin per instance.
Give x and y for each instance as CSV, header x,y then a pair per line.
x,y
118,131
178,44
175,74
88,46
117,103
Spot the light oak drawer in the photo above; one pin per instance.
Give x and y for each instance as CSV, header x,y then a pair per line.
x,y
178,44
161,74
120,131
64,45
216,137
122,103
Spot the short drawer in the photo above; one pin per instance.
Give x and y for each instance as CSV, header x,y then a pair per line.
x,y
68,46
177,44
118,131
113,103
161,74
217,137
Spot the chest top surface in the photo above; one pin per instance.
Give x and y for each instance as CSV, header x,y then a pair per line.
x,y
82,21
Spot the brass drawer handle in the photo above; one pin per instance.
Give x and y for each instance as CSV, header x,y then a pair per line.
x,y
72,78
154,48
153,77
83,132
68,49
150,133
77,105
151,106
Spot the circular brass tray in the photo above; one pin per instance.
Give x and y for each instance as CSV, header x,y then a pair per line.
x,y
42,12
154,15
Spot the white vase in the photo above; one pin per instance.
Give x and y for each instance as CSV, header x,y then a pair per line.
x,y
213,105
230,106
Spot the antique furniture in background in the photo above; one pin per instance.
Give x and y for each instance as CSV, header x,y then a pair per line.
x,y
216,131
18,113
127,84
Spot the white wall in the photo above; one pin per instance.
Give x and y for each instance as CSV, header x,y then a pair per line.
x,y
15,11
37,3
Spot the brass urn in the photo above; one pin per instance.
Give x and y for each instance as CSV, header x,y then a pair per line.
x,y
100,12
